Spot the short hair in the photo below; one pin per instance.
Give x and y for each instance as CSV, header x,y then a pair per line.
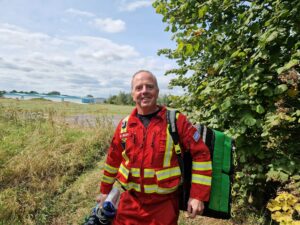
x,y
144,71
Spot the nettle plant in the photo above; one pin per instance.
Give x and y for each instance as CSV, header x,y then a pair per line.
x,y
238,62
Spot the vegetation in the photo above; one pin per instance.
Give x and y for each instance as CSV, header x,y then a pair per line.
x,y
2,93
121,99
67,108
53,93
239,64
125,99
50,170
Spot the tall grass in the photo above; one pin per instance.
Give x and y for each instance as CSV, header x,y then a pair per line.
x,y
45,163
50,166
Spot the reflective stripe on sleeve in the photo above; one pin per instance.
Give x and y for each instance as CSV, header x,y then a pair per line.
x,y
108,180
131,185
110,169
201,179
202,166
167,173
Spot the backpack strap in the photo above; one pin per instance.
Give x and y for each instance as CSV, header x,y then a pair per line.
x,y
172,116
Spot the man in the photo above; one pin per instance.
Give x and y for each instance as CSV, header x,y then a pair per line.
x,y
141,157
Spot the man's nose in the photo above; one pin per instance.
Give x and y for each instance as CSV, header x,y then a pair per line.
x,y
144,89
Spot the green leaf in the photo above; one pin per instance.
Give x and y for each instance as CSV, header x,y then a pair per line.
x,y
202,11
268,92
260,109
272,36
189,50
287,66
280,89
249,120
226,105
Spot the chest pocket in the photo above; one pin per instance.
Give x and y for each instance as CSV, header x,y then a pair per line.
x,y
127,141
163,154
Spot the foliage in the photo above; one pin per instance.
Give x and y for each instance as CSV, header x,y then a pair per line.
x,y
2,93
126,99
43,162
284,207
239,64
121,99
53,93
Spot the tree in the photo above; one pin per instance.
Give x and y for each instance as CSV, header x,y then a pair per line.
x,y
239,63
2,93
53,93
121,99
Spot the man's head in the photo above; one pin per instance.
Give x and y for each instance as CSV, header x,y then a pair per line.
x,y
144,91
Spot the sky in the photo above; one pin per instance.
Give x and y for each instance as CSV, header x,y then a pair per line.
x,y
81,47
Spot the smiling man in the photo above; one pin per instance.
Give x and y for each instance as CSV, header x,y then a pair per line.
x,y
143,160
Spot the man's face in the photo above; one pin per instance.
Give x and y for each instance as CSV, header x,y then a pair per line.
x,y
144,91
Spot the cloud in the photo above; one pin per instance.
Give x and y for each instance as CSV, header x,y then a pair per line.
x,y
103,49
80,13
109,25
132,6
73,65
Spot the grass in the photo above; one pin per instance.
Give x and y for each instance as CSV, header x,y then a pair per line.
x,y
47,164
66,108
49,168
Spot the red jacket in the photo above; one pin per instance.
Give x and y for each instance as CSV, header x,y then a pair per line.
x,y
149,163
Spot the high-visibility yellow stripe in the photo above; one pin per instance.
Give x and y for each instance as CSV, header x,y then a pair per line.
x,y
155,189
108,180
110,169
149,173
201,179
124,171
202,166
167,173
131,185
125,157
169,149
135,172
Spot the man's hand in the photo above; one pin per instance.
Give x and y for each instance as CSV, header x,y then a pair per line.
x,y
101,198
194,207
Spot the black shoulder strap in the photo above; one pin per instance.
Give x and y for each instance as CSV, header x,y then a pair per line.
x,y
171,118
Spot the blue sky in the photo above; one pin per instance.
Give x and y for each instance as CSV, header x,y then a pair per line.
x,y
80,47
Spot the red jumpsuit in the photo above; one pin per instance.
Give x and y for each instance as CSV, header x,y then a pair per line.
x,y
147,167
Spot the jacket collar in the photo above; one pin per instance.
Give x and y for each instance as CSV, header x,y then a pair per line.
x,y
133,115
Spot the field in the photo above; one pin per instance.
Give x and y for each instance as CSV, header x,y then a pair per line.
x,y
51,163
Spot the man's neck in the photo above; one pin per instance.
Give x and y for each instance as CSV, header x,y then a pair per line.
x,y
146,111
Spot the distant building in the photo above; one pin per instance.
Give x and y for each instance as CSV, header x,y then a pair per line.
x,y
87,100
99,100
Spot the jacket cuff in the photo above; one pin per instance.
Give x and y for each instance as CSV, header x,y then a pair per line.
x,y
200,192
105,188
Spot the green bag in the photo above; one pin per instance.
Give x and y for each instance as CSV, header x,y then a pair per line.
x,y
221,149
